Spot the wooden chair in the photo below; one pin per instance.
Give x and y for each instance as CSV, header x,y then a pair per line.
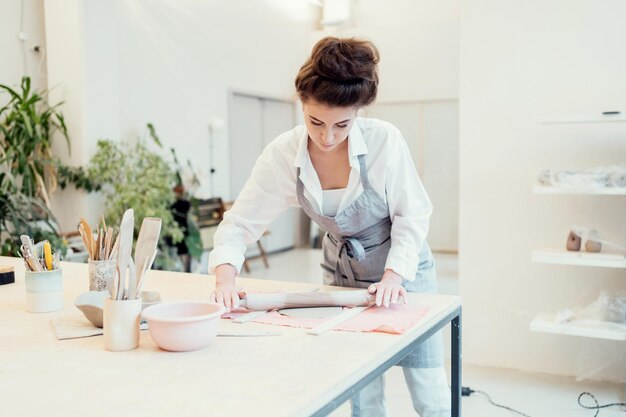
x,y
209,212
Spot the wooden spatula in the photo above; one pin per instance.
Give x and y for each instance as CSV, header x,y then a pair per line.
x,y
146,245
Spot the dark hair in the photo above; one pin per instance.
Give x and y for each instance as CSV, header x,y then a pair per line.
x,y
340,72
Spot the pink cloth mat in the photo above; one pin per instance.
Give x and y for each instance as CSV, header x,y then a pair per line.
x,y
395,319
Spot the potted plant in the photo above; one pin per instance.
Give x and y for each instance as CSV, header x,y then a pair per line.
x,y
132,175
28,169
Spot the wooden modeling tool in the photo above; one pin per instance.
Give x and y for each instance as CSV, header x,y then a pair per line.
x,y
125,250
147,241
249,316
253,333
29,254
146,267
131,294
107,243
88,238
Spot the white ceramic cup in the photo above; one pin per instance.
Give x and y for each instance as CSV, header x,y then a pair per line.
x,y
44,291
121,324
101,274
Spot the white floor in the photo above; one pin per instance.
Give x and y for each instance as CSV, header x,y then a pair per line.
x,y
533,394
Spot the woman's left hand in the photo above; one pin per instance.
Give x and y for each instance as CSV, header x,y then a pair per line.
x,y
389,289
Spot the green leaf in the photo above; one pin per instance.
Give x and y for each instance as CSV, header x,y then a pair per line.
x,y
25,86
27,123
153,135
9,90
63,129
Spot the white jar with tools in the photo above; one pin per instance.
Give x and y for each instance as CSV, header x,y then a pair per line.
x,y
44,291
121,324
122,311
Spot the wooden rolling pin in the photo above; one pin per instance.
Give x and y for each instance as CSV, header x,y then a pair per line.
x,y
265,302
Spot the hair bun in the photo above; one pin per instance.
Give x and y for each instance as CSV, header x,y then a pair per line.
x,y
340,72
345,60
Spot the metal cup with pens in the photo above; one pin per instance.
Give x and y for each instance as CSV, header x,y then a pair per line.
x,y
43,278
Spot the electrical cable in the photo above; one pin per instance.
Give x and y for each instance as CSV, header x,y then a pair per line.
x,y
467,391
596,407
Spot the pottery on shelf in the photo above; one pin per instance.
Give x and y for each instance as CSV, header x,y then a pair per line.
x,y
593,243
573,242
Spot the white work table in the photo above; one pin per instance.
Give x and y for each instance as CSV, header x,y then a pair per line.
x,y
294,374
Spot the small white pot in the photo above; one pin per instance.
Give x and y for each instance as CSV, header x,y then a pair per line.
x,y
121,324
44,291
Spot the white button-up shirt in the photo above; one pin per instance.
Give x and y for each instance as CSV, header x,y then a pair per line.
x,y
271,189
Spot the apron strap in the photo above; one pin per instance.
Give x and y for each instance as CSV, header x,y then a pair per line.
x,y
304,203
299,184
364,178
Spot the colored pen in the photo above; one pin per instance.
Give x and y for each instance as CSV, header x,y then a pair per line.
x,y
47,255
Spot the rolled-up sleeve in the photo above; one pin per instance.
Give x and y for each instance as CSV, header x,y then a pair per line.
x,y
267,193
409,209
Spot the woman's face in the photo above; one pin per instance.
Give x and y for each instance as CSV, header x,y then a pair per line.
x,y
327,126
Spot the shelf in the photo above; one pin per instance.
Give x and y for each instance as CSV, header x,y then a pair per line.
x,y
542,189
563,257
545,323
586,119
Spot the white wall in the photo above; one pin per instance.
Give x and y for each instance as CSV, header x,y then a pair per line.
x,y
418,41
431,130
522,62
179,59
82,67
17,57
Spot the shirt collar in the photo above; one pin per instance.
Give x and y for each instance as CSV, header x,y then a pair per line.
x,y
302,155
356,146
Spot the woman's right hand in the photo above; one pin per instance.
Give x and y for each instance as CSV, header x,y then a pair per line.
x,y
226,292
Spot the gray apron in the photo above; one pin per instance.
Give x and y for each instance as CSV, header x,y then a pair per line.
x,y
355,247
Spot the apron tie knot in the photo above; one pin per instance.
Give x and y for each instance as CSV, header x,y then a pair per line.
x,y
355,248
352,248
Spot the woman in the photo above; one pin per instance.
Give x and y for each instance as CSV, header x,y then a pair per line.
x,y
355,178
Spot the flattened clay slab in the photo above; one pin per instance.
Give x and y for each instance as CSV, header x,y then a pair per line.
x,y
311,312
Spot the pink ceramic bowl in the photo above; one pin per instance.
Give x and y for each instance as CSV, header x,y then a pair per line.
x,y
183,325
